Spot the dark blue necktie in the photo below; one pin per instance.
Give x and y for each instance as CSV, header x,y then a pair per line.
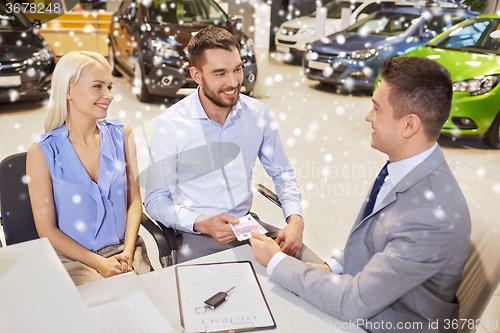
x,y
376,188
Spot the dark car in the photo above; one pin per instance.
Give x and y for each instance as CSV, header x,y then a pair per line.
x,y
148,42
26,60
351,58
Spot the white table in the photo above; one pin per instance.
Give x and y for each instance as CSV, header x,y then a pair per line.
x,y
291,313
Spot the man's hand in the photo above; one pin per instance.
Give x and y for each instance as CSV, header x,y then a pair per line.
x,y
263,248
218,227
322,266
292,236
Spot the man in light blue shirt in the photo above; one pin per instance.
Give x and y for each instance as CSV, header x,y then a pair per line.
x,y
203,150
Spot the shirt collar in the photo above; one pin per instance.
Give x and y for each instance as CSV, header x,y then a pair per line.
x,y
199,113
398,170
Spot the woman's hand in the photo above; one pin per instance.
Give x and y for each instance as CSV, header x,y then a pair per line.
x,y
114,265
130,261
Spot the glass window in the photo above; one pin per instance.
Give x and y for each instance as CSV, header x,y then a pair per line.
x,y
334,8
482,36
10,20
185,11
441,23
371,8
382,23
467,36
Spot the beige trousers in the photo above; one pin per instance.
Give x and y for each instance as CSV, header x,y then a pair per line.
x,y
81,273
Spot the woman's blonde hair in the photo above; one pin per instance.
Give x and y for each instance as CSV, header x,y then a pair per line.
x,y
67,72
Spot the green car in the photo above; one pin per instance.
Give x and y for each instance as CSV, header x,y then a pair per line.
x,y
471,53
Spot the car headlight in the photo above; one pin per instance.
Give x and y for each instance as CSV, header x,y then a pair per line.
x,y
287,31
310,32
477,86
44,54
362,54
164,49
247,48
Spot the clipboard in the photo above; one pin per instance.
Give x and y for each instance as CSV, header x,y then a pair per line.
x,y
245,310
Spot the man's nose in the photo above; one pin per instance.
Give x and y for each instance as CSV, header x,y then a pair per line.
x,y
369,116
234,80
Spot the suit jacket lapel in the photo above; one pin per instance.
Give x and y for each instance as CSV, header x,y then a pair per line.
x,y
421,171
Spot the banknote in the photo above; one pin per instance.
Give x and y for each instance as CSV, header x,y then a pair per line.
x,y
243,229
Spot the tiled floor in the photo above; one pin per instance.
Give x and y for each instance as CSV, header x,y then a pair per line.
x,y
326,138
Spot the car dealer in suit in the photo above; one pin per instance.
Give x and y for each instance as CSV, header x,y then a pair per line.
x,y
403,261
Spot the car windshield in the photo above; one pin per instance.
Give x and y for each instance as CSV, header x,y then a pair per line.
x,y
10,20
334,8
185,11
477,35
382,23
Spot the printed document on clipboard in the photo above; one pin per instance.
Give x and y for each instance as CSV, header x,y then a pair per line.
x,y
243,309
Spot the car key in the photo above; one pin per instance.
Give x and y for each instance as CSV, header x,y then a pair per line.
x,y
218,299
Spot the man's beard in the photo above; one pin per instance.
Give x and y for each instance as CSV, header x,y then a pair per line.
x,y
217,100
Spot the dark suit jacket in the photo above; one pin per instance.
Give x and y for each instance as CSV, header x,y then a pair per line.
x,y
402,264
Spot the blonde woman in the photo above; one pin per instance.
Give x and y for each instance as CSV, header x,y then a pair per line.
x,y
82,189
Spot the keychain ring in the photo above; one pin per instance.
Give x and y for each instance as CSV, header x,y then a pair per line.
x,y
201,309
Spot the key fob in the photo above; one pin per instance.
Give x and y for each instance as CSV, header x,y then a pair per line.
x,y
216,300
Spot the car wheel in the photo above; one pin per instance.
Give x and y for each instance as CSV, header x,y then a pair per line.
x,y
112,61
141,91
492,137
247,92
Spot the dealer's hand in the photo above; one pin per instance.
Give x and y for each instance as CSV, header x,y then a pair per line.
x,y
263,248
218,227
292,236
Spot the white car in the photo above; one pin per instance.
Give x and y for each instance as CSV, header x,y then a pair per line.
x,y
293,35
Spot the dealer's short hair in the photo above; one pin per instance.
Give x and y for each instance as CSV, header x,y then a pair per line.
x,y
420,86
210,37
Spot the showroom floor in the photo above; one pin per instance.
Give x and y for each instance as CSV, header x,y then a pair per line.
x,y
326,138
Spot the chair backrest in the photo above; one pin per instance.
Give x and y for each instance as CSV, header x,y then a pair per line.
x,y
17,216
480,184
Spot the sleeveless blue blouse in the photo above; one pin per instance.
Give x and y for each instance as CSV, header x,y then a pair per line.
x,y
94,215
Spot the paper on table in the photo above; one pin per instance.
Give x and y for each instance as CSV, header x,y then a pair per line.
x,y
246,303
133,313
7,261
37,293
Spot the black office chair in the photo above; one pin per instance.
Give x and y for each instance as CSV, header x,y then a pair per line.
x,y
17,216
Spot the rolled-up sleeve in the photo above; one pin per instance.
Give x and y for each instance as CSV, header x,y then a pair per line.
x,y
273,157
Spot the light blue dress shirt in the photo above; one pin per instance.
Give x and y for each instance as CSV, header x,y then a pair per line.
x,y
94,215
396,171
200,167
